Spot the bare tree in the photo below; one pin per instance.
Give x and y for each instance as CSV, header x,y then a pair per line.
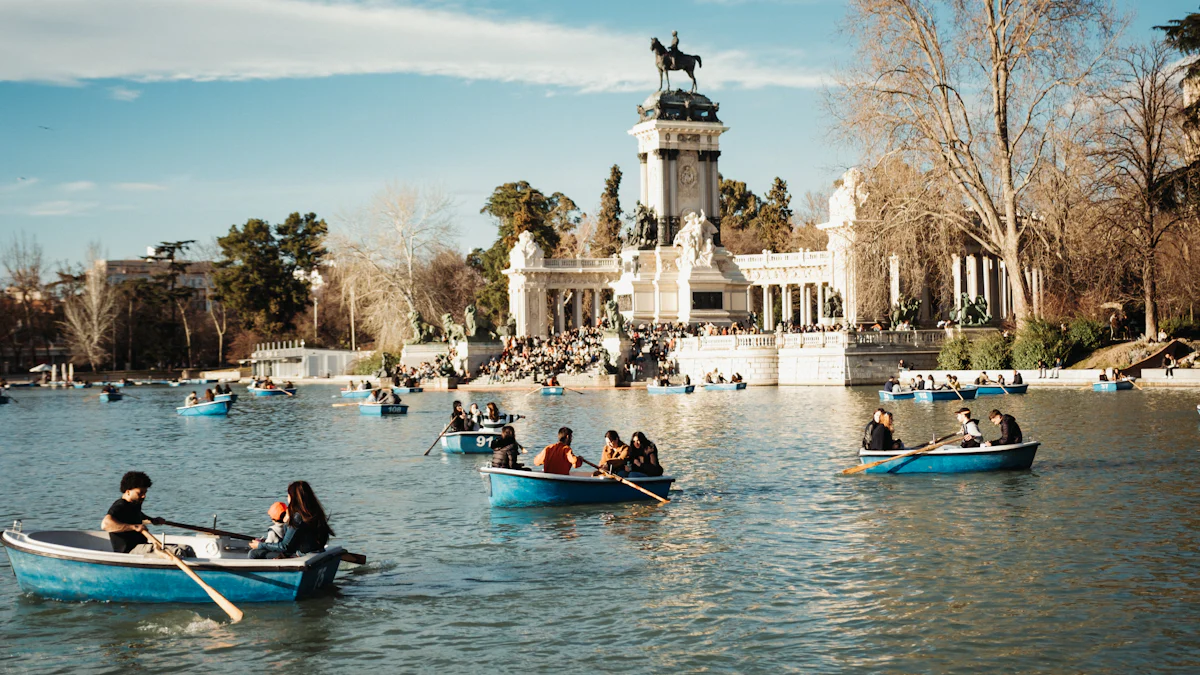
x,y
90,316
22,260
1143,148
974,88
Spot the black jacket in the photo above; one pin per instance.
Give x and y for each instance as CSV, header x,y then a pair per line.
x,y
881,438
505,454
868,434
1010,431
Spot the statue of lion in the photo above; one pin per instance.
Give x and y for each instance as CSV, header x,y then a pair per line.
x,y
454,332
422,332
612,317
477,325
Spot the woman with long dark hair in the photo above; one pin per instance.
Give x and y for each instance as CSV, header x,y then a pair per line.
x,y
307,530
643,456
505,450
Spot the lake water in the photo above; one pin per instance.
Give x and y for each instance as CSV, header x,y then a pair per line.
x,y
766,560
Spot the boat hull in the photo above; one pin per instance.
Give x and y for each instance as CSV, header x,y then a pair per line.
x,y
61,576
86,385
1112,386
3,399
725,386
968,393
210,409
407,390
953,459
111,398
896,395
675,389
232,398
552,391
997,390
382,410
518,489
273,392
469,442
357,393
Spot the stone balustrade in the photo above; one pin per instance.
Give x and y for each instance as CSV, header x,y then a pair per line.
x,y
768,259
597,264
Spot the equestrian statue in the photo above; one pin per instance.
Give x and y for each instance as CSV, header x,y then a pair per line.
x,y
673,59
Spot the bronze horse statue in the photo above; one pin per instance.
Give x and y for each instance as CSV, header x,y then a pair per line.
x,y
668,61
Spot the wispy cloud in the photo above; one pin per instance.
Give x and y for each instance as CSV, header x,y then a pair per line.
x,y
60,207
69,41
18,184
124,93
79,186
140,187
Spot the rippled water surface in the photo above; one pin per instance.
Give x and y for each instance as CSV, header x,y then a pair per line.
x,y
766,560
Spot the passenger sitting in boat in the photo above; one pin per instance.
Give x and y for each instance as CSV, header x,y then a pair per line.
x,y
288,384
209,396
108,389
364,385
1010,431
663,380
869,429
615,454
1103,376
890,385
687,380
982,379
720,378
1000,379
970,428
881,436
494,419
708,378
558,458
506,451
459,421
643,457
191,400
278,515
307,527
737,377
1016,378
919,384
124,521
475,415
552,381
384,397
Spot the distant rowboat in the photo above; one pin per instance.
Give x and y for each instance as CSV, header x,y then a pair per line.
x,y
382,409
357,393
552,391
896,395
232,398
271,392
111,398
1112,386
996,389
80,565
673,389
209,409
407,390
82,385
725,386
3,399
968,392
469,442
513,488
954,459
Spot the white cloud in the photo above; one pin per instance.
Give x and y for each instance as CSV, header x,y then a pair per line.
x,y
69,41
140,187
60,208
123,93
79,186
18,184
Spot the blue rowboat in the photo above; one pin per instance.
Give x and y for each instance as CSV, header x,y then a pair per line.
x,y
407,390
954,459
1112,386
78,565
967,391
382,409
896,395
174,384
81,385
510,488
212,408
995,389
111,398
357,393
22,384
552,391
725,386
3,399
673,389
272,392
232,398
469,442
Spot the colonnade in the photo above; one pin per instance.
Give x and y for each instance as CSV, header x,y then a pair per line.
x,y
559,296
812,300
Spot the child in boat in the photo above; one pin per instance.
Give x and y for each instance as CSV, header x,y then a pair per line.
x,y
278,515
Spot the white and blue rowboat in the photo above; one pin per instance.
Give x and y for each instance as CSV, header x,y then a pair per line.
x,y
511,488
469,442
968,392
673,389
111,398
1112,386
382,409
407,390
357,393
995,389
552,391
210,409
272,392
496,425
79,565
954,459
81,385
232,398
174,384
896,395
725,386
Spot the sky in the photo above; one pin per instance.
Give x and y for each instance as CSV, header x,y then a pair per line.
x,y
130,122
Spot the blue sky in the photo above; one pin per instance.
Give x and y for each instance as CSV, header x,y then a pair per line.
x,y
130,122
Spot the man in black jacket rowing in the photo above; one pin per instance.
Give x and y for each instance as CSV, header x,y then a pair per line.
x,y
1010,431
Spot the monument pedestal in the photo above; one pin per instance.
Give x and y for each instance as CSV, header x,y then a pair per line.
x,y
413,356
472,354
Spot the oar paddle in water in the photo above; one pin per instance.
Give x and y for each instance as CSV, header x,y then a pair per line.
x,y
574,390
910,453
230,609
435,441
342,405
356,558
630,483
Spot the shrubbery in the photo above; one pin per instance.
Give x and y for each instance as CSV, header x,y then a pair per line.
x,y
1086,334
1178,327
367,366
1039,340
955,354
993,352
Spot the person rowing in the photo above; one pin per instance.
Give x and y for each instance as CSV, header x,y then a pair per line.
x,y
384,397
459,421
125,521
191,400
1010,431
890,385
982,379
969,430
557,458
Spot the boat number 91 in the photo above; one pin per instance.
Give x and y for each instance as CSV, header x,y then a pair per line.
x,y
480,441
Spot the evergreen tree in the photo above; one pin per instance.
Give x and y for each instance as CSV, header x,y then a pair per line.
x,y
1183,35
607,239
774,221
739,206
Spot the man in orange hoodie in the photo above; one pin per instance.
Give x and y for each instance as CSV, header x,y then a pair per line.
x,y
558,458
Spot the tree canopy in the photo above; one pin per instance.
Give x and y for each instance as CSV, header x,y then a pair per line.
x,y
607,239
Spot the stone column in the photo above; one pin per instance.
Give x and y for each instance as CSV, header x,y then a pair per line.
x,y
987,285
577,301
956,262
1002,282
766,313
821,303
645,197
560,318
805,304
596,309
973,276
894,280
787,304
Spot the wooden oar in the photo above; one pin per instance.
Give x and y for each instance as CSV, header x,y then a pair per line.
x,y
435,441
356,558
914,451
1139,387
631,484
342,405
574,390
958,394
230,609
